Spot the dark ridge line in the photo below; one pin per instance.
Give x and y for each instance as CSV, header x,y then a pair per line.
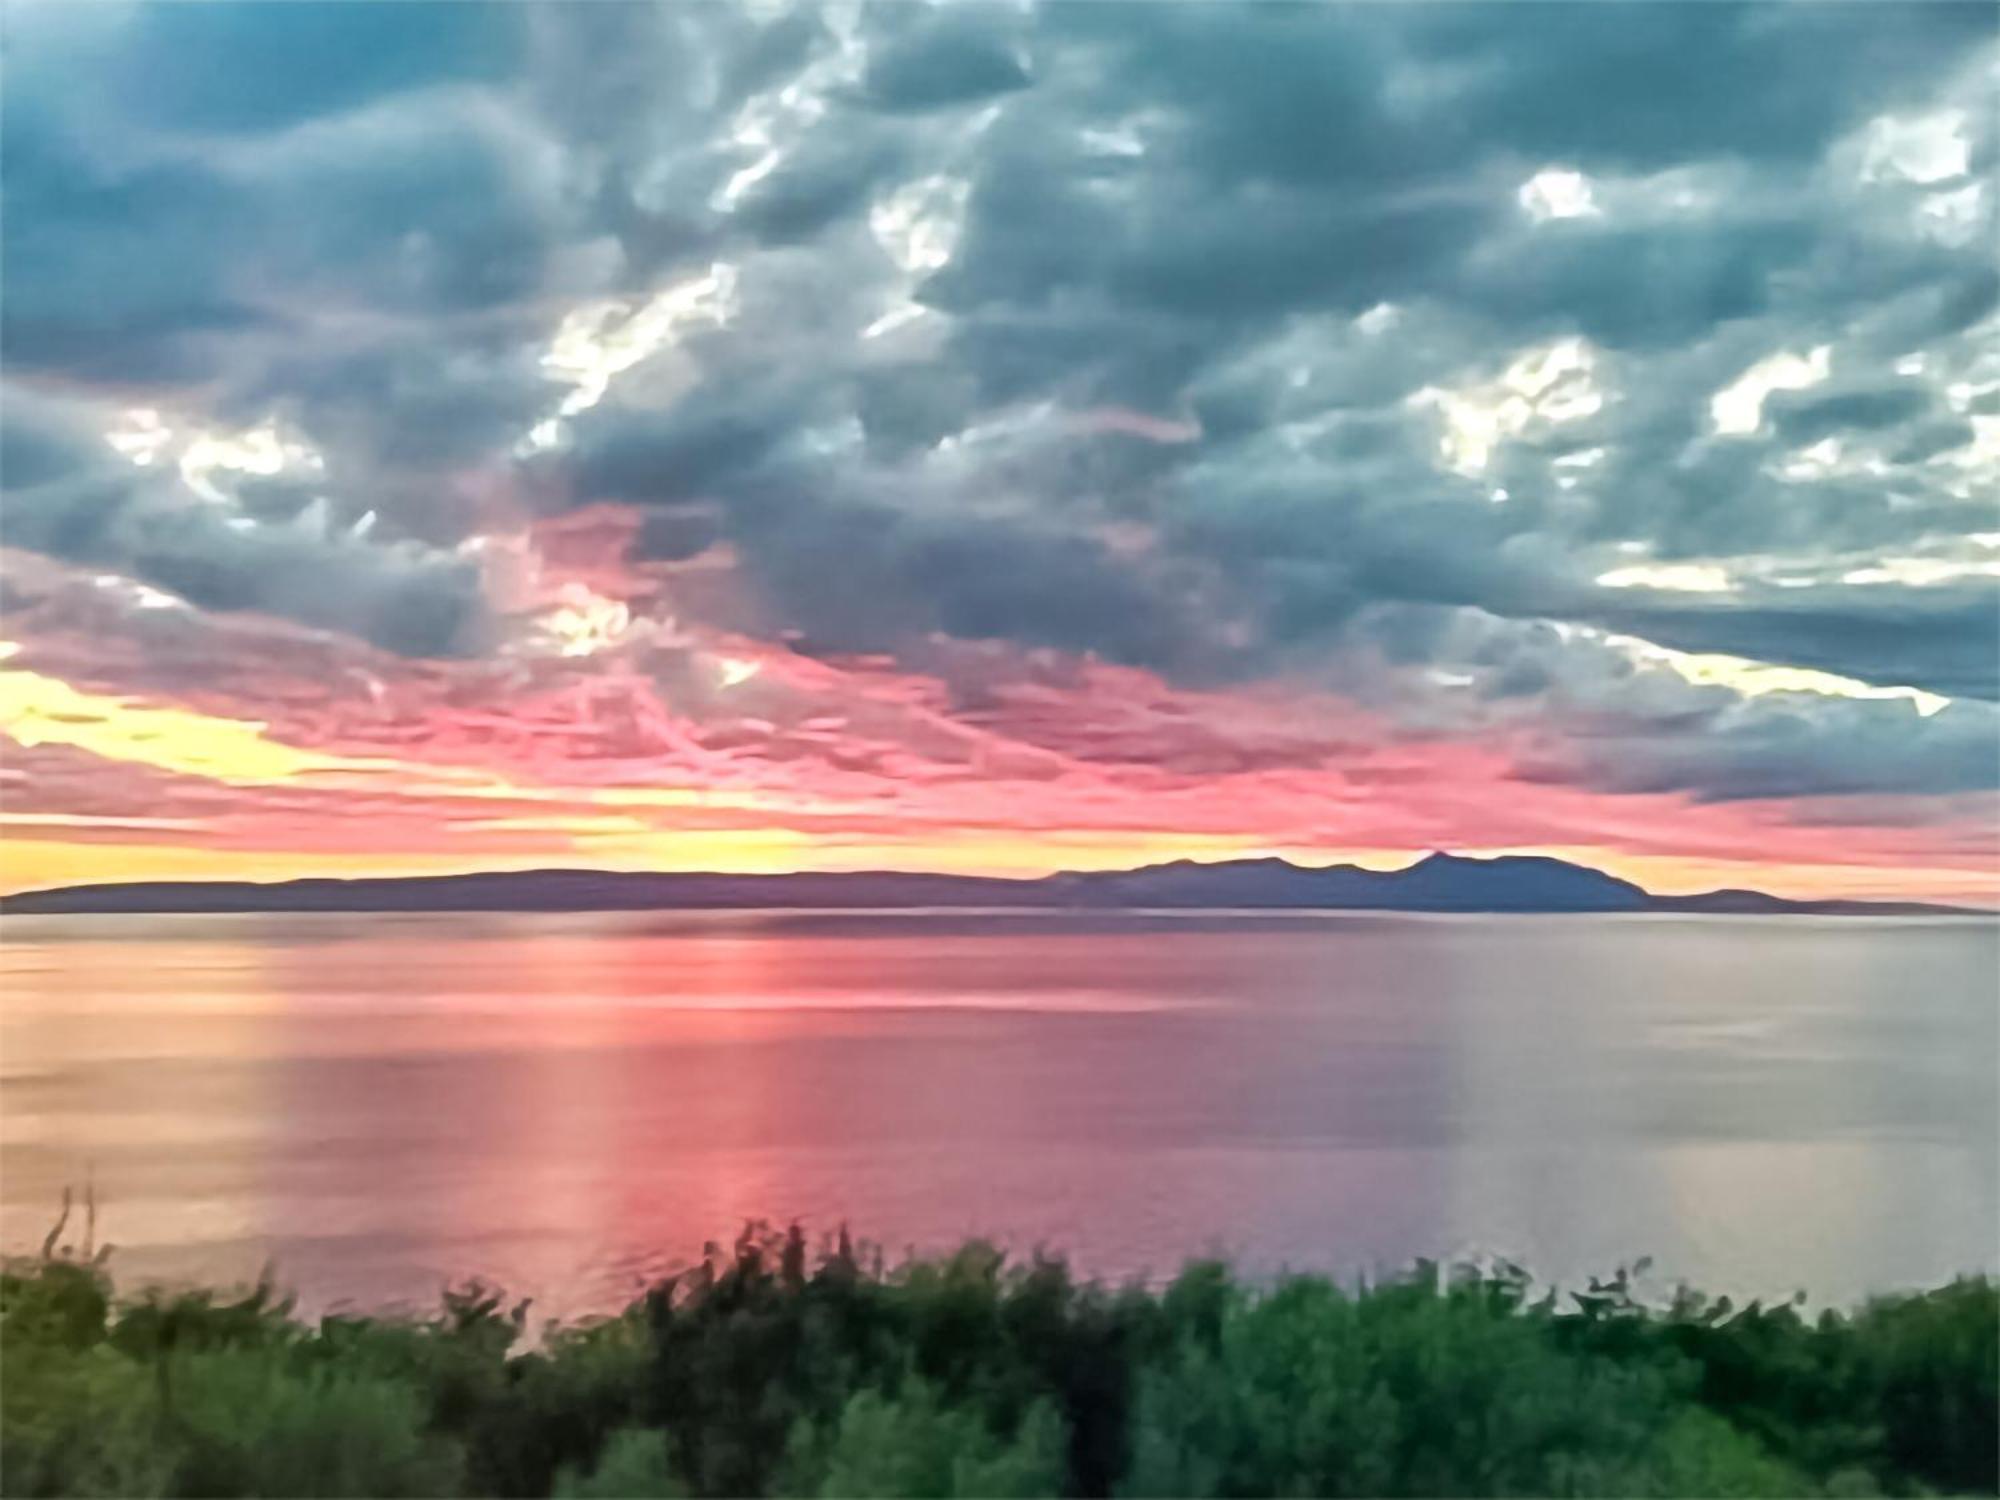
x,y
1523,884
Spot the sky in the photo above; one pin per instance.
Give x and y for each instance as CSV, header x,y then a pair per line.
x,y
1000,438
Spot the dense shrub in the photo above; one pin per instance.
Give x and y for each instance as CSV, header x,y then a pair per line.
x,y
914,1444
773,1369
1417,1390
257,1422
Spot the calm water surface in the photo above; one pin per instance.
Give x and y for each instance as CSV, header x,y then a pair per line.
x,y
571,1104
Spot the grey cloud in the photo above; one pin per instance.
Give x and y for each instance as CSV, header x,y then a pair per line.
x,y
1804,418
404,599
1137,415
697,449
1784,746
1930,439
44,438
1583,710
254,68
906,409
400,405
863,577
154,271
826,180
112,274
1302,97
400,597
439,201
955,55
1641,286
1945,639
1644,85
70,497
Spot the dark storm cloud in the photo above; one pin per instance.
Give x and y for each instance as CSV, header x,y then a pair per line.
x,y
1192,335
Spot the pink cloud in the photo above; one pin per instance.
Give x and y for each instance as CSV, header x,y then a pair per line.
x,y
698,730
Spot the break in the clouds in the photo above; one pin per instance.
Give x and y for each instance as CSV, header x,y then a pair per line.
x,y
1002,436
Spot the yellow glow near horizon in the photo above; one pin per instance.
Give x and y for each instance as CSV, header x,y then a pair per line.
x,y
37,863
1690,875
36,709
971,851
28,864
40,710
608,827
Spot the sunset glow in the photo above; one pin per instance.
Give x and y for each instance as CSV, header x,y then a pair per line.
x,y
798,467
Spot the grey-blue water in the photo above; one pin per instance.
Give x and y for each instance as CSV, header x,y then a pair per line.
x,y
571,1104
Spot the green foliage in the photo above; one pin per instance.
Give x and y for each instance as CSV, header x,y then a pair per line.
x,y
1410,1391
774,1369
77,1422
1931,1366
636,1465
252,1422
58,1304
914,1444
1903,1394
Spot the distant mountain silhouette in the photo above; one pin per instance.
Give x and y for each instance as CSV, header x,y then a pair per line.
x,y
1437,883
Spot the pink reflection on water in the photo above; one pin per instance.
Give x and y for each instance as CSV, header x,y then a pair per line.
x,y
570,1106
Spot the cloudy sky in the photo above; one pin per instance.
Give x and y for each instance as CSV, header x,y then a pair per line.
x,y
1001,437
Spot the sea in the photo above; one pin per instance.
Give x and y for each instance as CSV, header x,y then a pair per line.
x,y
370,1108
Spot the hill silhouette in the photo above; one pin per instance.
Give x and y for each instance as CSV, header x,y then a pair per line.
x,y
1436,883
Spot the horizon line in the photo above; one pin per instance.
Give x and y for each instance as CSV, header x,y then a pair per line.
x,y
1968,908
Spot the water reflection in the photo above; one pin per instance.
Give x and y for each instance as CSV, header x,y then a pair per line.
x,y
569,1104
